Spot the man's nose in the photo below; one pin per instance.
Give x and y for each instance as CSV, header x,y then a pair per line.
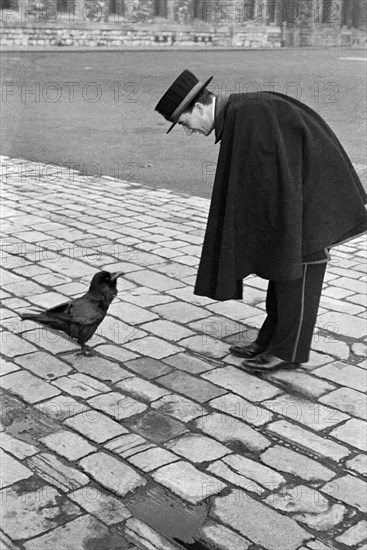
x,y
188,131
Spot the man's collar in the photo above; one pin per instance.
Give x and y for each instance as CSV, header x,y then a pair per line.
x,y
220,103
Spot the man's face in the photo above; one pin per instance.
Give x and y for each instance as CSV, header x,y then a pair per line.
x,y
200,120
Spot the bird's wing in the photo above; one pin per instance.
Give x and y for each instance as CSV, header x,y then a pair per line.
x,y
85,312
80,311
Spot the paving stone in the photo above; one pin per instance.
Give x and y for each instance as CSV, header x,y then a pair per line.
x,y
289,461
220,327
325,521
40,509
232,431
61,407
9,321
50,299
187,482
315,416
359,349
6,367
186,293
154,280
116,352
254,471
117,331
348,489
189,363
349,284
205,345
145,297
32,236
24,289
337,293
112,473
43,365
153,347
17,447
180,312
354,535
330,346
127,445
129,312
68,444
146,537
302,383
234,405
6,543
29,387
57,473
15,303
148,367
340,306
50,341
310,506
263,526
347,400
223,471
191,386
72,269
81,385
242,383
95,426
308,440
342,324
359,299
234,310
100,368
74,535
179,407
353,433
106,508
157,427
7,277
12,470
168,330
142,389
13,346
344,374
197,448
151,459
358,464
51,279
220,537
117,405
298,499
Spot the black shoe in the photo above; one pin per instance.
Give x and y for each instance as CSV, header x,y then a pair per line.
x,y
265,362
249,351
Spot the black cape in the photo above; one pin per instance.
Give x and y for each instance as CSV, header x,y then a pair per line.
x,y
284,190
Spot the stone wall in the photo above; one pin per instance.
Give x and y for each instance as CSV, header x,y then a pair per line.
x,y
159,32
94,35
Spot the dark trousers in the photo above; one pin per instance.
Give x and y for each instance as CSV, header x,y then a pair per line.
x,y
291,308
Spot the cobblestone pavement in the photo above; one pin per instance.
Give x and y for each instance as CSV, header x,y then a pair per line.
x,y
159,441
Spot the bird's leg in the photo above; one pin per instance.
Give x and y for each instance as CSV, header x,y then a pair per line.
x,y
86,351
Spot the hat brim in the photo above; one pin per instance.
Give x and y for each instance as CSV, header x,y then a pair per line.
x,y
186,102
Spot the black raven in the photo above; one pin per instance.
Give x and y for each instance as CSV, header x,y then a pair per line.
x,y
80,317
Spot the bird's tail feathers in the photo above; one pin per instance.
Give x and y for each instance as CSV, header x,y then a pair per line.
x,y
28,316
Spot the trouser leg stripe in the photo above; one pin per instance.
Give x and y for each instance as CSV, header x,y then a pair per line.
x,y
294,354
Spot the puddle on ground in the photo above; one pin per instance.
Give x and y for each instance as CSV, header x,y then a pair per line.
x,y
168,515
23,422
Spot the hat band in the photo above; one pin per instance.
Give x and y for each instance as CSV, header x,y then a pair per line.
x,y
186,101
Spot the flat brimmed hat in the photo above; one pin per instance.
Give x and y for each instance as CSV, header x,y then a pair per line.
x,y
179,96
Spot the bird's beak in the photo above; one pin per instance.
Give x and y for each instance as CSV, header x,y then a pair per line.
x,y
116,275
